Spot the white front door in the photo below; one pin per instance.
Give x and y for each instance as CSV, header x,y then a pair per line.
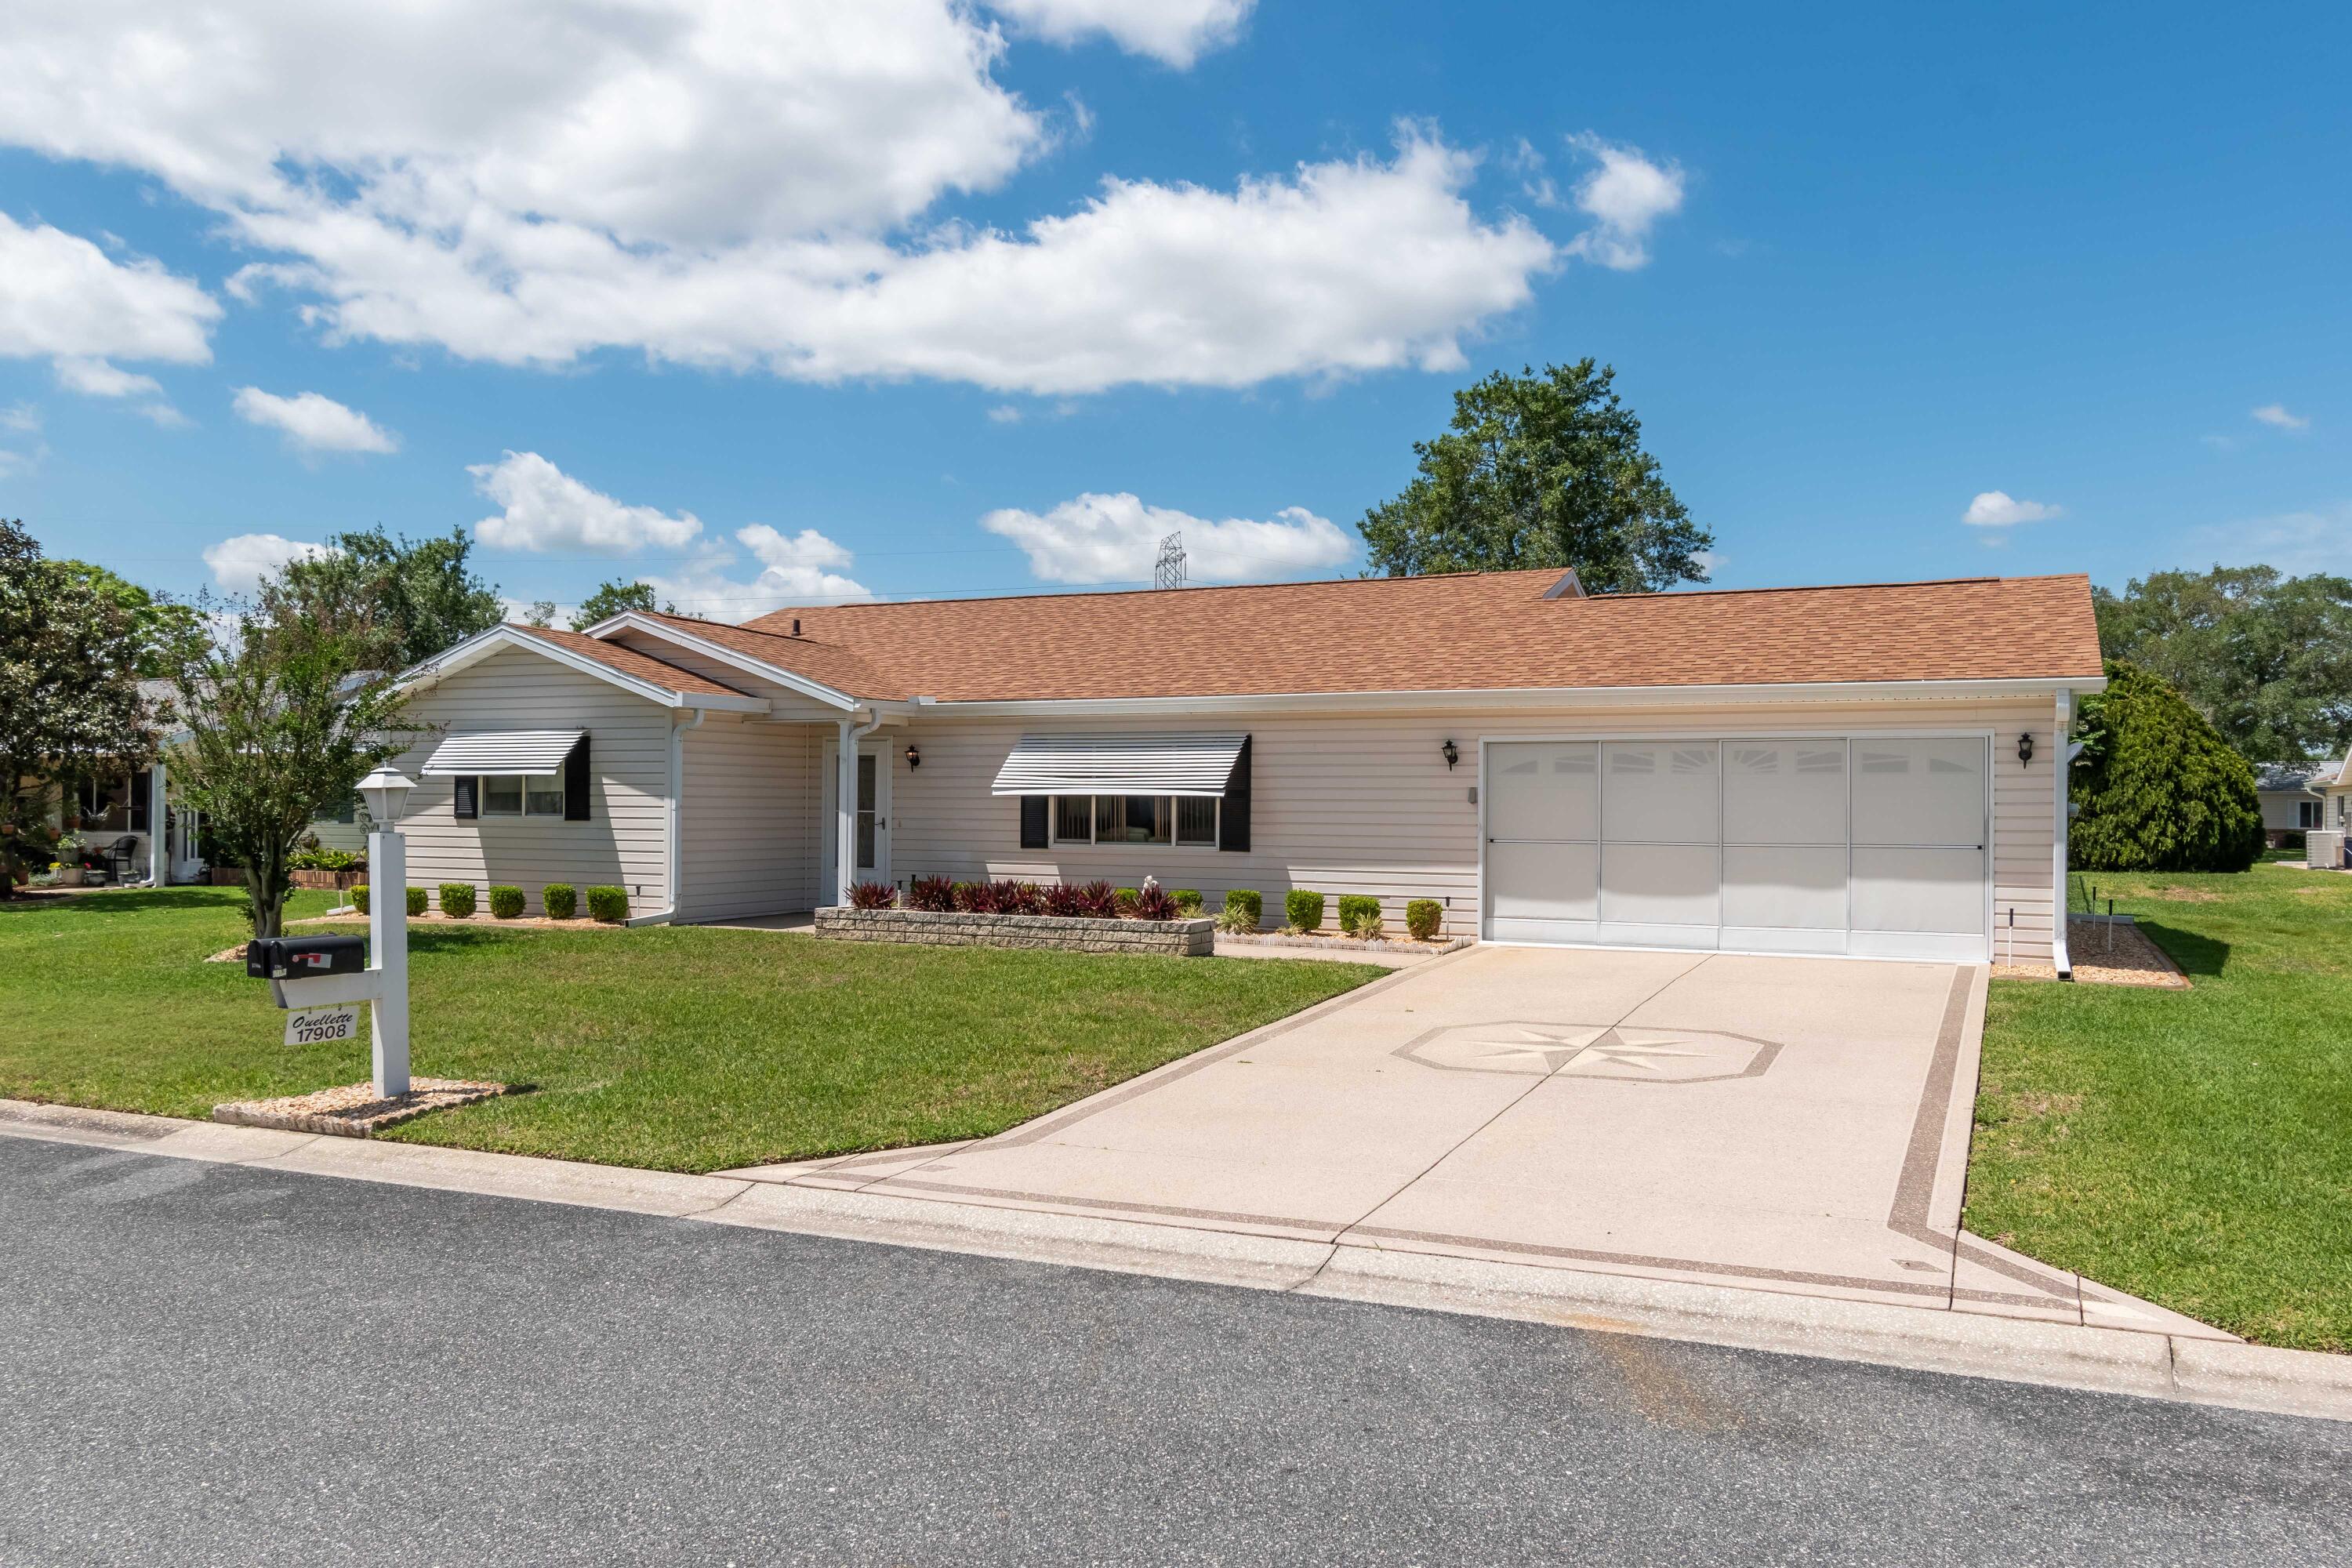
x,y
873,806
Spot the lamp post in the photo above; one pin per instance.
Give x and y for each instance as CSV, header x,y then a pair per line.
x,y
386,793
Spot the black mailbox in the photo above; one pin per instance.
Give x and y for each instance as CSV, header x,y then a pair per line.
x,y
300,957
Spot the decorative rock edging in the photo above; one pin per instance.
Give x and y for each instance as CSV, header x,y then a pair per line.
x,y
355,1109
1348,943
1183,939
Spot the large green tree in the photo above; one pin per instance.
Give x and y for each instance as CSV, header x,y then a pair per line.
x,y
155,622
70,699
420,595
1540,470
2157,788
2266,658
611,598
282,718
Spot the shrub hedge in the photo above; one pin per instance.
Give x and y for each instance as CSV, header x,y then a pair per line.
x,y
506,901
2157,788
610,905
560,899
1245,904
935,894
1423,917
360,897
415,901
1188,901
1357,908
1304,909
457,900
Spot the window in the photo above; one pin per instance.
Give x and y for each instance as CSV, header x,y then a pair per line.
x,y
2306,813
543,797
502,794
1190,820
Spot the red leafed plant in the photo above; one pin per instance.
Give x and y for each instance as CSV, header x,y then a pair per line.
x,y
935,894
1154,902
976,898
1017,898
873,896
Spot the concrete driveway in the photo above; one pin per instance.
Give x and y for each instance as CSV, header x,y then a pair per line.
x,y
1796,1124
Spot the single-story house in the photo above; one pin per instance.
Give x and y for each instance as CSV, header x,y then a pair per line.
x,y
1877,770
2292,796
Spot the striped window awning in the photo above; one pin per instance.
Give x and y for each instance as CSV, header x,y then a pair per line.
x,y
535,753
1131,764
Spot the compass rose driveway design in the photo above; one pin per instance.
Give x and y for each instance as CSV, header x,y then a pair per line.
x,y
1795,1124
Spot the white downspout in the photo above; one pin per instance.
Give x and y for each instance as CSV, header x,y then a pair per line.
x,y
845,802
2063,749
159,852
676,859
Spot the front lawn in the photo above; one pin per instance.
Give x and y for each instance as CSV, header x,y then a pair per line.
x,y
2194,1148
687,1049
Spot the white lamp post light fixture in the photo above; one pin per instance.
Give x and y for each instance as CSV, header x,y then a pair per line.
x,y
386,794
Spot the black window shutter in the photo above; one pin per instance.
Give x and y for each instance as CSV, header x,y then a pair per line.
x,y
467,798
576,783
1033,821
1232,823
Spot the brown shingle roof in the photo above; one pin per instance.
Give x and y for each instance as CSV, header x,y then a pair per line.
x,y
629,661
1463,633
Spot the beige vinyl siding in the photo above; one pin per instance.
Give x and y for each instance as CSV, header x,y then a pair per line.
x,y
626,840
1364,803
749,825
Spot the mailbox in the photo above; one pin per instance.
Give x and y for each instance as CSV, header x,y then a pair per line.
x,y
301,957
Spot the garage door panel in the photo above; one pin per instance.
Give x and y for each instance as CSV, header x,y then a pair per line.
x,y
1919,791
1544,881
1784,792
1662,792
1660,884
1543,790
1900,889
1798,887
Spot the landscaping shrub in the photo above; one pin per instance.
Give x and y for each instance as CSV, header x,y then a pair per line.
x,y
1422,918
457,900
1123,900
866,896
315,859
1304,909
1368,928
1017,898
506,901
1066,899
610,905
1153,902
2157,788
560,899
1243,911
1355,909
359,897
415,902
975,898
935,894
1099,900
1188,902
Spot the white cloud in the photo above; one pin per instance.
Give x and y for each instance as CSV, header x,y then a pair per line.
x,y
163,417
97,378
1004,413
1177,32
2276,415
1626,194
314,422
795,570
21,418
2297,542
1116,539
63,298
241,563
723,184
547,509
1999,509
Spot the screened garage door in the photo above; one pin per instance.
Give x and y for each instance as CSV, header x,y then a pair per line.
x,y
1874,847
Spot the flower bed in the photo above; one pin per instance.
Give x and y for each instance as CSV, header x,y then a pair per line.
x,y
957,928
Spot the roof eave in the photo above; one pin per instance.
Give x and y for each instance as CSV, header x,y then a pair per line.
x,y
482,645
818,691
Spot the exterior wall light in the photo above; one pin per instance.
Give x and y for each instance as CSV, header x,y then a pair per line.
x,y
914,757
386,794
2025,750
1452,755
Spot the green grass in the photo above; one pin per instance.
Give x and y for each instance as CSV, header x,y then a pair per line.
x,y
2194,1148
687,1049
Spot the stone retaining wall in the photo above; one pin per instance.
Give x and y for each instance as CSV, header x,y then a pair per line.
x,y
1183,939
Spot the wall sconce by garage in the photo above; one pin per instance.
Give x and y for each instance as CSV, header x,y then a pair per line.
x,y
914,757
2025,751
1452,753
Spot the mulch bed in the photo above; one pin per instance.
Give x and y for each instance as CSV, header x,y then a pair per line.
x,y
354,1110
2131,959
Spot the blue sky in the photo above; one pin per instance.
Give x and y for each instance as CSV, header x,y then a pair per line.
x,y
738,305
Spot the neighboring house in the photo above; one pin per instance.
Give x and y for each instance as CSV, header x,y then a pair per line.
x,y
1873,770
2292,797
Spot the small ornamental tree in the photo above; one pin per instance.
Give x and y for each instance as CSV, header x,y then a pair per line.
x,y
2156,788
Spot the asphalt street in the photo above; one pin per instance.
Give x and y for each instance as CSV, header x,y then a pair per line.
x,y
203,1363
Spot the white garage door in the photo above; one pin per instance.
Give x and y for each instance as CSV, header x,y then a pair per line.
x,y
1863,846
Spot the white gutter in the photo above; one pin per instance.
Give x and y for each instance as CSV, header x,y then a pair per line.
x,y
845,802
2063,765
675,860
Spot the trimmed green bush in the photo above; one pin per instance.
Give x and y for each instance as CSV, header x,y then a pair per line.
x,y
506,901
415,902
560,899
610,905
1245,910
359,897
1304,909
1355,909
1424,917
1188,902
2157,788
457,900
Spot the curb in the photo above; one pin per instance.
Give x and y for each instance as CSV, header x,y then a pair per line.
x,y
2151,1364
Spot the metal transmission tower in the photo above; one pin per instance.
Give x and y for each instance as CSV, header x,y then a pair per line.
x,y
1168,572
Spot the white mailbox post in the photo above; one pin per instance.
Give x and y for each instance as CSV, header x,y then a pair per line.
x,y
383,985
